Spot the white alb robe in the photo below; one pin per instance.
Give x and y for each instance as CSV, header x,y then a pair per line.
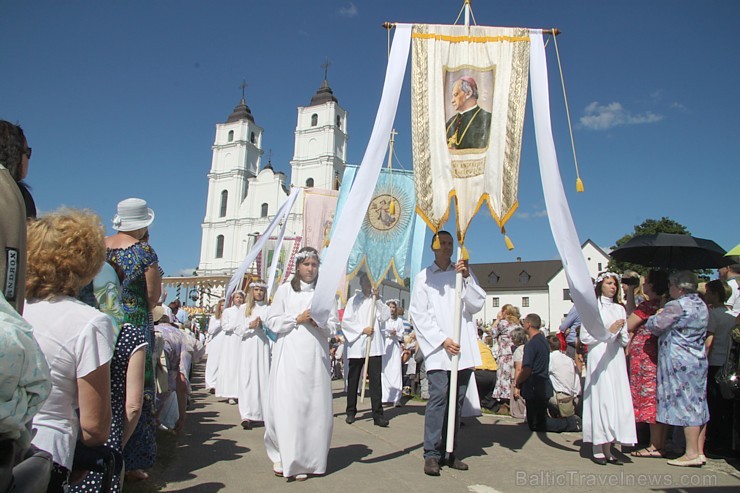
x,y
254,367
392,381
356,318
227,382
432,310
299,415
213,350
608,415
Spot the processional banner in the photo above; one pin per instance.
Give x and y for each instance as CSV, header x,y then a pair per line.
x,y
319,207
383,242
468,99
282,255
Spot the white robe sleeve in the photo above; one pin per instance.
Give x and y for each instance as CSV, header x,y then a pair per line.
x,y
352,326
278,320
214,326
473,296
382,312
332,324
422,313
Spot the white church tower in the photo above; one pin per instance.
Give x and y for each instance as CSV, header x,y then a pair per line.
x,y
320,142
237,150
243,197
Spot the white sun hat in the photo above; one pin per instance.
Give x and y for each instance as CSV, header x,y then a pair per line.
x,y
132,214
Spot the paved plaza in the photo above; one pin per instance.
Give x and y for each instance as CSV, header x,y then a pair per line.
x,y
214,454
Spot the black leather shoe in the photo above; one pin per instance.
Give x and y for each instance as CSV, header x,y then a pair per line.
x,y
382,422
615,461
350,419
599,460
246,424
431,466
455,463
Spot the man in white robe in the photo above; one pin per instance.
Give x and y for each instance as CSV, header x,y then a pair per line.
x,y
357,328
432,310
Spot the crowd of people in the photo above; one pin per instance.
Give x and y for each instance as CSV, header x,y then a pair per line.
x,y
108,363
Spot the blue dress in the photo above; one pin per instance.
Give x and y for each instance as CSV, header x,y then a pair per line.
x,y
141,450
682,361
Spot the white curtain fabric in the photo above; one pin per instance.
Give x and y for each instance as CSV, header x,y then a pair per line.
x,y
558,211
282,213
348,225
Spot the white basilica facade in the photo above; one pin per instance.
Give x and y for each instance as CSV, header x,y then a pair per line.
x,y
243,196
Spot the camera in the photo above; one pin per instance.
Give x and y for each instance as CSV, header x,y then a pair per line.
x,y
631,281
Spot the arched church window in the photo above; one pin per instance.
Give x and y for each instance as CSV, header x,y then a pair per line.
x,y
252,138
309,183
339,121
224,201
231,136
314,120
220,246
264,210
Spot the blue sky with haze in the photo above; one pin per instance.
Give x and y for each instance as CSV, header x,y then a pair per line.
x,y
121,99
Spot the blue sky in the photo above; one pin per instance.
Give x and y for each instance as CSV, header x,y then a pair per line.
x,y
121,99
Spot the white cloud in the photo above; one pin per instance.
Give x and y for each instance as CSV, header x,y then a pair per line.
x,y
532,215
350,10
603,117
678,106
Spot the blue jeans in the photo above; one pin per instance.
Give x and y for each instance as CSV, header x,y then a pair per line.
x,y
435,416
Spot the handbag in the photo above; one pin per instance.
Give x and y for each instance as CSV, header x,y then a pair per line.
x,y
566,406
728,377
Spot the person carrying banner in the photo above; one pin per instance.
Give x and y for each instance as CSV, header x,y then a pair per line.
x,y
254,363
432,310
298,415
357,328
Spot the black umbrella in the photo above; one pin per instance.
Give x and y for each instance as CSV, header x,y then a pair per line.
x,y
671,251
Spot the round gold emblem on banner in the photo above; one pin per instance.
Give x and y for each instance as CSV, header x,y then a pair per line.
x,y
379,213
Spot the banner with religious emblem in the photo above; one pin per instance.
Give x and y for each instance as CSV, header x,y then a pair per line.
x,y
385,235
319,207
469,92
285,260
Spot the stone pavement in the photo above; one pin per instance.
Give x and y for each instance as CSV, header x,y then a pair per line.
x,y
214,454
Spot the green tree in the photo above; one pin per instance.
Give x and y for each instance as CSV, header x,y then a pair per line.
x,y
647,227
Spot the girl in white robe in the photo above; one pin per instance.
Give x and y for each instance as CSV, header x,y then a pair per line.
x,y
254,368
213,348
227,383
299,418
608,415
392,381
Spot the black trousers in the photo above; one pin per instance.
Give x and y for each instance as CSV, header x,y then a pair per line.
x,y
536,401
374,367
485,380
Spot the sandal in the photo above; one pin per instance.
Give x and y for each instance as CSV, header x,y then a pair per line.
x,y
646,452
301,477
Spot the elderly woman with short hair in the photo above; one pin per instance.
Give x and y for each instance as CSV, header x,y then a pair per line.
x,y
682,365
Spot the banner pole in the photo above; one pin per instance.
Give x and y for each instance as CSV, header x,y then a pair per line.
x,y
371,323
456,329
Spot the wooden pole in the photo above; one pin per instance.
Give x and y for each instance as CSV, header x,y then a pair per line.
x,y
553,31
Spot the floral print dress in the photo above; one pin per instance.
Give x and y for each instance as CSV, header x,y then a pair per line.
x,y
505,359
141,450
643,366
682,361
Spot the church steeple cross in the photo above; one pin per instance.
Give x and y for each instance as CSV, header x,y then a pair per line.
x,y
243,85
325,66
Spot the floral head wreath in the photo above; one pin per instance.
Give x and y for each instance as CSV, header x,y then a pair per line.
x,y
395,302
239,291
258,284
604,275
301,256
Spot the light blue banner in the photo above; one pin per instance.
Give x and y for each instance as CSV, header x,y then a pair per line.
x,y
384,239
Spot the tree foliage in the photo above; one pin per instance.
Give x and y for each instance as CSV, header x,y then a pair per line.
x,y
647,227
